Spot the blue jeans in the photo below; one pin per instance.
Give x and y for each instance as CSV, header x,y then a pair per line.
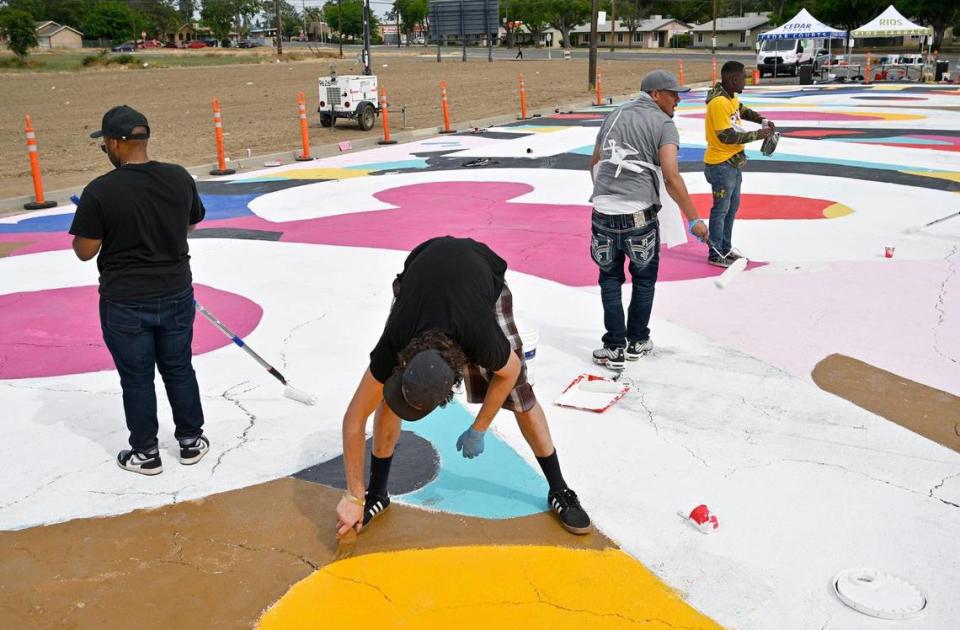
x,y
146,334
614,239
725,179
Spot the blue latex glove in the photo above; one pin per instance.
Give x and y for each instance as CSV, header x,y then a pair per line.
x,y
470,442
75,200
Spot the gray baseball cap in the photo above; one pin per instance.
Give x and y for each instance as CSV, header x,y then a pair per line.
x,y
661,80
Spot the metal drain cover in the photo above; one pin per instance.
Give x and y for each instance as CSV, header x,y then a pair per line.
x,y
878,593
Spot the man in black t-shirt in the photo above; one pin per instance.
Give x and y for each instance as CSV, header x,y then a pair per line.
x,y
452,320
137,218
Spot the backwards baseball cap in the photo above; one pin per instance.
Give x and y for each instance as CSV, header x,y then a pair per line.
x,y
661,80
120,121
420,387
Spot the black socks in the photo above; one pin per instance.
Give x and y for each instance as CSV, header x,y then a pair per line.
x,y
551,470
379,473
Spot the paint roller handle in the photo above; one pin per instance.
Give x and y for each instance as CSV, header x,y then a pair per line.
x,y
75,200
237,340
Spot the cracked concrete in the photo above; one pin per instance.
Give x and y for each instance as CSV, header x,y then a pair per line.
x,y
939,305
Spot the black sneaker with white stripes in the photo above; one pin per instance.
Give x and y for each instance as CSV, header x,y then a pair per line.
x,y
143,463
636,349
193,450
611,358
567,506
373,506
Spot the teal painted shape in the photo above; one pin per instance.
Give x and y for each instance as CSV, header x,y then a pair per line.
x,y
498,484
389,166
585,150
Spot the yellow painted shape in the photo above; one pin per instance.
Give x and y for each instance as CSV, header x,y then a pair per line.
x,y
837,210
953,176
488,588
323,173
538,129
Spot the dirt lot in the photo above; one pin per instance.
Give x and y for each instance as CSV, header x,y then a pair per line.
x,y
259,109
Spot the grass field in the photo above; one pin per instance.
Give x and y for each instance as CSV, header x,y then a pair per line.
x,y
93,58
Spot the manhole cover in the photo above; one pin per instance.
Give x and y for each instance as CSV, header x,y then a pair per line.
x,y
878,594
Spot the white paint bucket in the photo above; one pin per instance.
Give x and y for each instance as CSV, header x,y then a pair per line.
x,y
529,337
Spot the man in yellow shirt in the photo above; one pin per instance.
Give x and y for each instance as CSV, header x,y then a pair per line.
x,y
725,156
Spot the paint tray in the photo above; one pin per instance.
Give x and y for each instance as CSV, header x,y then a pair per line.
x,y
592,393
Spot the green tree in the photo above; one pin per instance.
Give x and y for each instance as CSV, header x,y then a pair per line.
x,y
847,14
112,20
19,28
218,16
565,15
69,12
939,14
412,13
352,17
159,16
291,22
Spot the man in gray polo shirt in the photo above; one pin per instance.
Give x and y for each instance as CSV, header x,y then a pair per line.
x,y
636,138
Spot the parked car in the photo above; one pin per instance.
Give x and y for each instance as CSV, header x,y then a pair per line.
x,y
212,43
170,44
248,43
124,47
195,43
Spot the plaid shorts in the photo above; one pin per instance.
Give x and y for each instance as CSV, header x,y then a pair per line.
x,y
477,379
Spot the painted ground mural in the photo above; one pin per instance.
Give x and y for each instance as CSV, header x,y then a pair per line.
x,y
813,404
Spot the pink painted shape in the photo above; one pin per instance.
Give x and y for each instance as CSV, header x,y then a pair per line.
x,y
37,242
812,115
57,331
545,240
884,313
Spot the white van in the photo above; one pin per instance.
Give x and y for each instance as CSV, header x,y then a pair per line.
x,y
784,56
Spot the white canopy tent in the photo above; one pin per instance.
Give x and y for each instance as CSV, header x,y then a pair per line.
x,y
891,23
804,26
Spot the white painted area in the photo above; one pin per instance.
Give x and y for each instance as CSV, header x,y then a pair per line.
x,y
63,433
804,484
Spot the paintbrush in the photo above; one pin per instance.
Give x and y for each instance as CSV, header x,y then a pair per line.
x,y
345,545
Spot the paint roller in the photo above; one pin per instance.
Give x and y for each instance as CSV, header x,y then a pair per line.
x,y
917,228
600,386
289,391
730,273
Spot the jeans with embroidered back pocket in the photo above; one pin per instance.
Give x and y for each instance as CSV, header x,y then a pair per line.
x,y
615,239
144,336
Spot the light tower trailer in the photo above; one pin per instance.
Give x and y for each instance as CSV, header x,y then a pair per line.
x,y
348,96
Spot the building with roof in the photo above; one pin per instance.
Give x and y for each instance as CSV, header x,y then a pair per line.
x,y
732,32
653,32
53,35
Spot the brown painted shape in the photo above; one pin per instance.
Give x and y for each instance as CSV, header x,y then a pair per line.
x,y
8,248
932,413
217,562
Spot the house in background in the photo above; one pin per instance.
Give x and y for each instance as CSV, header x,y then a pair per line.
x,y
655,31
53,35
733,32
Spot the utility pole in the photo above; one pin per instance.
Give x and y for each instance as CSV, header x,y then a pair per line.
x,y
613,24
397,16
713,38
276,5
340,26
304,6
366,38
592,66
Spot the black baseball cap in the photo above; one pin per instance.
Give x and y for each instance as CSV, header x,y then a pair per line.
x,y
420,387
120,121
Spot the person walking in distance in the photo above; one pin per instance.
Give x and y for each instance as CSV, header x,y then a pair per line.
x,y
725,157
519,52
639,134
451,321
136,217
